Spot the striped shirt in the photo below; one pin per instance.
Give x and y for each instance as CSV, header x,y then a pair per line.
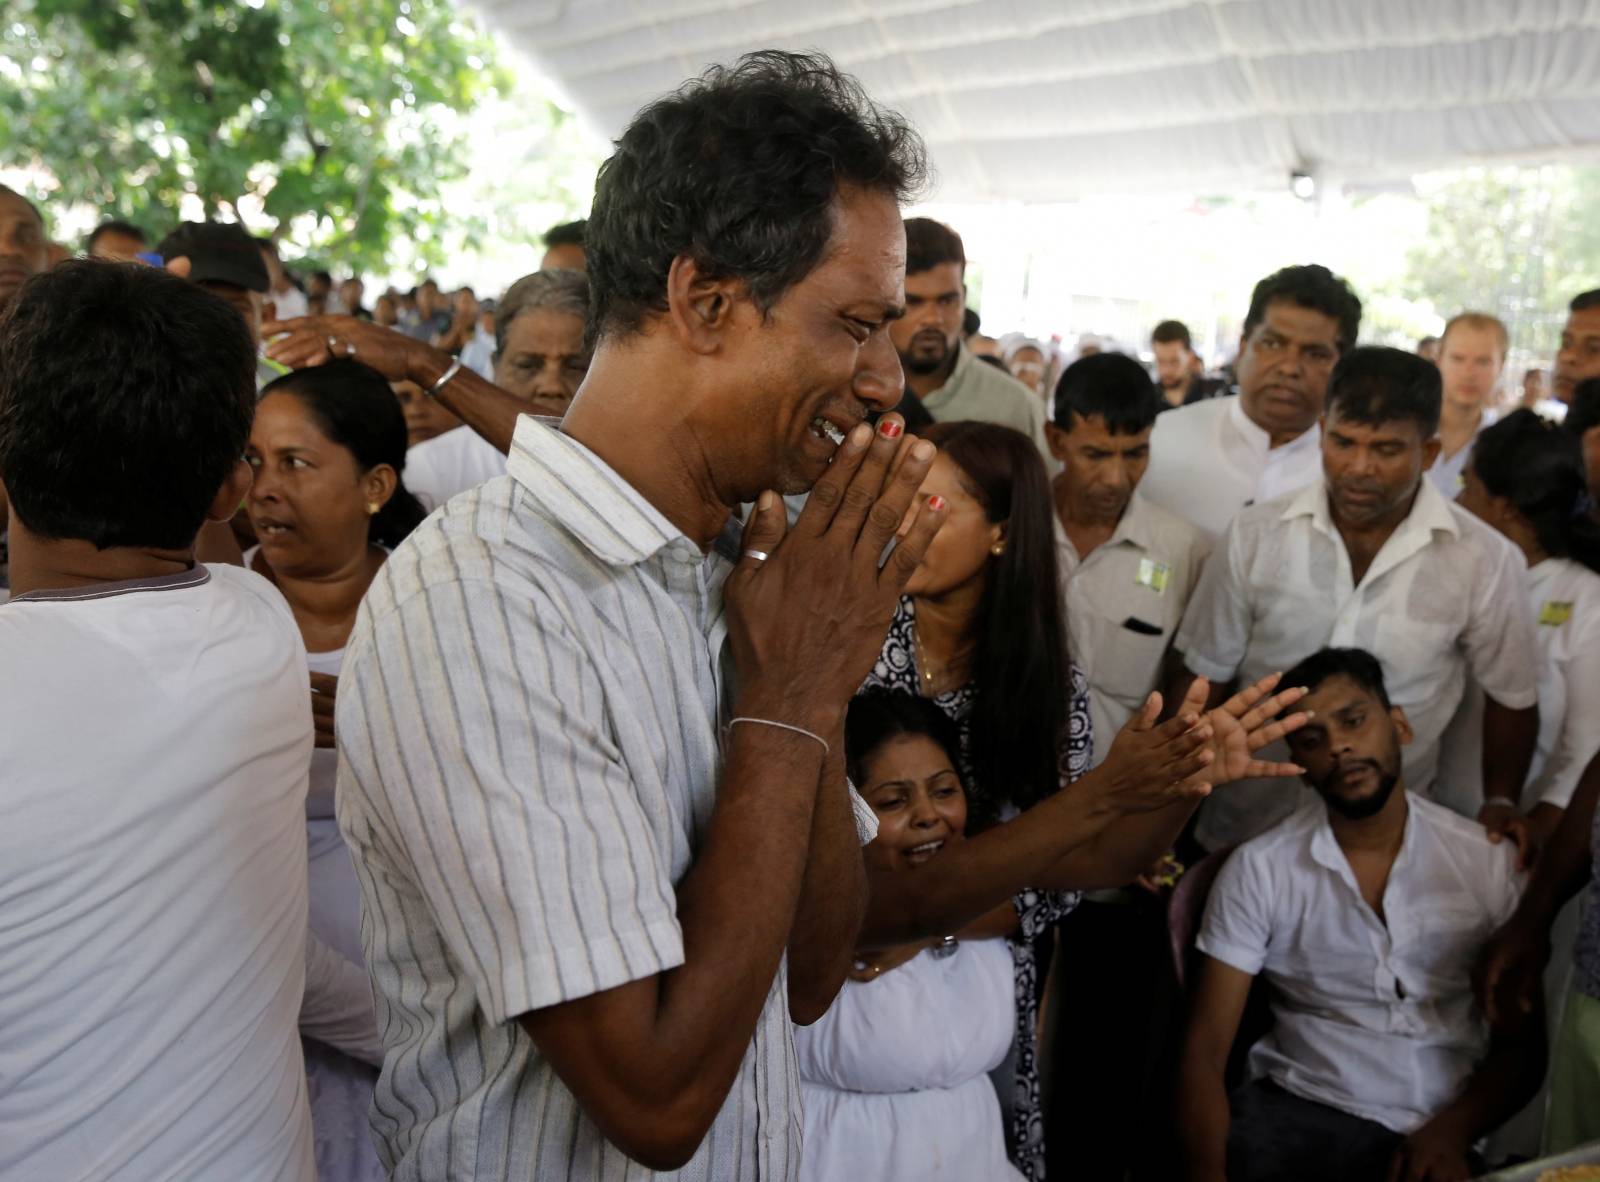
x,y
528,725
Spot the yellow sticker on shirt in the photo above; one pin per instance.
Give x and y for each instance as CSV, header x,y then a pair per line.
x,y
1555,613
1154,575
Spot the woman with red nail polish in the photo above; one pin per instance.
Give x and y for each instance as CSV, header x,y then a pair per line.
x,y
980,631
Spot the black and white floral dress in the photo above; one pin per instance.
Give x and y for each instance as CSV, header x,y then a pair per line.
x,y
1037,911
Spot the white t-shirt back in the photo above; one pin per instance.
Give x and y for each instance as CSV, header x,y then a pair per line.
x,y
153,753
446,465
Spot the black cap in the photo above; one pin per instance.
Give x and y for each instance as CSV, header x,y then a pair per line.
x,y
221,252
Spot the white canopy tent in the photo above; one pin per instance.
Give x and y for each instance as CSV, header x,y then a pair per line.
x,y
1049,100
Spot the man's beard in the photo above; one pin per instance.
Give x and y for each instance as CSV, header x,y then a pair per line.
x,y
928,359
1366,806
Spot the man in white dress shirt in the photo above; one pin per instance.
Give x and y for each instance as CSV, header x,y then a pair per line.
x,y
1373,557
154,750
1365,911
1211,458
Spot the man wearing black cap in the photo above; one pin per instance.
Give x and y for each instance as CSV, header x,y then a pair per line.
x,y
222,258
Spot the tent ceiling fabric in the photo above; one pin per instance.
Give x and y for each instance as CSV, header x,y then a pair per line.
x,y
1042,100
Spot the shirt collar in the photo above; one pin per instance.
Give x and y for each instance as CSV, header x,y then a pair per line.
x,y
586,496
1259,439
1429,512
1134,527
1325,850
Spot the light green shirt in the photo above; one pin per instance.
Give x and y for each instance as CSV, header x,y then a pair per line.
x,y
977,390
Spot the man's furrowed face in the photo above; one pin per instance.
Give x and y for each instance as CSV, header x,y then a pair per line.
x,y
1351,747
1099,468
821,357
936,301
1373,469
1284,366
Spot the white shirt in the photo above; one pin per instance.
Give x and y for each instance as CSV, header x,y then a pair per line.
x,y
896,1074
1123,605
1208,461
529,736
1564,603
446,465
1442,597
153,753
478,354
1374,1018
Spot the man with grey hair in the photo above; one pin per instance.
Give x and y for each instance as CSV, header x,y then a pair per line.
x,y
540,359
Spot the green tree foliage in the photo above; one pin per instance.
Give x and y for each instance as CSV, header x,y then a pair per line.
x,y
1517,242
330,123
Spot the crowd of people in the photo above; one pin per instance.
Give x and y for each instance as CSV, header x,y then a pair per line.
x,y
712,712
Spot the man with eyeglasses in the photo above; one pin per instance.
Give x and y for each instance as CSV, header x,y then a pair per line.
x,y
1211,458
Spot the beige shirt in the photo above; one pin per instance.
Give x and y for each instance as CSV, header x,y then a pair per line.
x,y
978,391
1124,602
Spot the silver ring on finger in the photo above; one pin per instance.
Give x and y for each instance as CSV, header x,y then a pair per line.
x,y
758,555
333,346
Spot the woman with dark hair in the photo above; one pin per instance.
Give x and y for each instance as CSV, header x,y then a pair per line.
x,y
981,634
1526,478
327,504
895,1075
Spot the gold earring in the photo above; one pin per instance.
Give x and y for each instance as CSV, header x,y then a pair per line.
x,y
372,508
997,549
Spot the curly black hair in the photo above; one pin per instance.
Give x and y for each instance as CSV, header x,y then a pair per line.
x,y
737,169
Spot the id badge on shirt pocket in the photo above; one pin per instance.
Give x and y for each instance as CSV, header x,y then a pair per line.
x,y
1153,574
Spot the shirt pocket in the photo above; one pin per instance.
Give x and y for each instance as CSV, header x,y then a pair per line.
x,y
1125,651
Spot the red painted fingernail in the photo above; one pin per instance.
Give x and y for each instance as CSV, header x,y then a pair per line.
x,y
936,503
891,428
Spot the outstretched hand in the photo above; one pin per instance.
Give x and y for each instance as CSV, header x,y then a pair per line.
x,y
1243,725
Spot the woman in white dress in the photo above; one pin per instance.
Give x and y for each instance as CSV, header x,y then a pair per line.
x,y
895,1076
327,505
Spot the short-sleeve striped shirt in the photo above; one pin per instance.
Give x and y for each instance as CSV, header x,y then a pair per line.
x,y
528,726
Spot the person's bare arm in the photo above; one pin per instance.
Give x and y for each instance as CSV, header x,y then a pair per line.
x,y
1506,1080
1509,739
651,1061
1151,767
1509,974
489,410
1220,994
833,897
1101,831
